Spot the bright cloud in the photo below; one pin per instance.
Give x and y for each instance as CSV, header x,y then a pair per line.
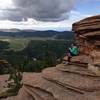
x,y
4,4
40,25
39,14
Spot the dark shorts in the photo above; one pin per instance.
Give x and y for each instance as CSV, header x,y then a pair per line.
x,y
70,54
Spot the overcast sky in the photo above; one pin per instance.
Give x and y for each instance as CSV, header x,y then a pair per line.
x,y
45,14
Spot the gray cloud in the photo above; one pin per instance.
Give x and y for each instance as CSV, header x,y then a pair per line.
x,y
43,10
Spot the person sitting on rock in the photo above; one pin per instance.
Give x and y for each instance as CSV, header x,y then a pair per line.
x,y
72,51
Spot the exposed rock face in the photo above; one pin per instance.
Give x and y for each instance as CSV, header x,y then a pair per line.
x,y
62,82
88,36
88,33
88,27
68,82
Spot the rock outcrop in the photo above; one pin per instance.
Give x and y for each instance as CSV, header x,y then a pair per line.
x,y
68,82
62,82
88,27
88,37
88,30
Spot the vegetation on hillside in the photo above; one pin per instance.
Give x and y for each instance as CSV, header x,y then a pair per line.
x,y
35,56
18,55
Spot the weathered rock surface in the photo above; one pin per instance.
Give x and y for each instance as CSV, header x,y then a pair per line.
x,y
60,83
88,37
69,82
73,80
88,27
80,59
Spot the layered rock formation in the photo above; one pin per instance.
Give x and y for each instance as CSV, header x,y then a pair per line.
x,y
88,32
68,82
62,82
88,36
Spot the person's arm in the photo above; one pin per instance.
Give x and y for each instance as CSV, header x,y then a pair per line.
x,y
70,49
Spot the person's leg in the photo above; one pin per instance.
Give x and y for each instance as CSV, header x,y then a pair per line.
x,y
69,57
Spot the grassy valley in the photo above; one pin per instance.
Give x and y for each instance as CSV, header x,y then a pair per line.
x,y
33,53
21,39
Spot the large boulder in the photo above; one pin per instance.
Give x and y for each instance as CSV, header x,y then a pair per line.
x,y
88,37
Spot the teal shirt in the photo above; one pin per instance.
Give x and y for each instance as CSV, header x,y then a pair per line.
x,y
74,50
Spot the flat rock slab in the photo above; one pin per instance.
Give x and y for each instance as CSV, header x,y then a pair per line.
x,y
75,69
79,59
24,95
40,93
59,92
33,94
78,81
39,87
93,96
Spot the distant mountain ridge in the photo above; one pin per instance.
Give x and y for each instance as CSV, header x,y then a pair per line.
x,y
10,30
34,33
